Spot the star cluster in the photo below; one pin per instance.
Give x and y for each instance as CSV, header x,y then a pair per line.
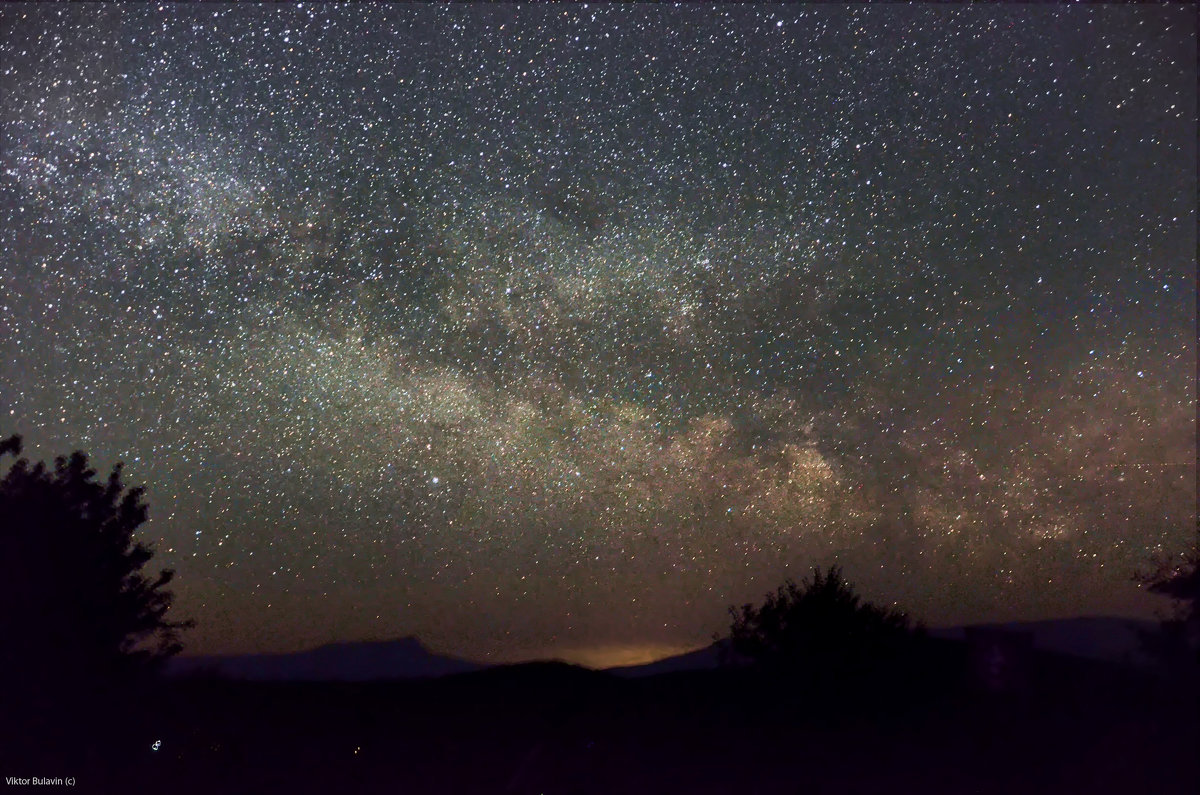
x,y
530,329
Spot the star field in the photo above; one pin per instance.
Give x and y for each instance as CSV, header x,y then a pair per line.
x,y
531,330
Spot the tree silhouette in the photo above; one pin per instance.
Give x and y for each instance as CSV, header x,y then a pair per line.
x,y
78,619
820,626
1176,642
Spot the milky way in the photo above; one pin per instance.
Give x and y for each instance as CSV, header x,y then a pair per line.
x,y
540,330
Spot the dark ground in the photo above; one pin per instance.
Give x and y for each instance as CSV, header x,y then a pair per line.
x,y
1073,727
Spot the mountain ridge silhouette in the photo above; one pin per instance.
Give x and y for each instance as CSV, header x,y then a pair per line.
x,y
339,661
1109,638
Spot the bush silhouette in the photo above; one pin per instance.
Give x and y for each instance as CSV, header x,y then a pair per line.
x,y
79,620
820,626
1176,642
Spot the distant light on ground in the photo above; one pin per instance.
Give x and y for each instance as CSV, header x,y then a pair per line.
x,y
613,656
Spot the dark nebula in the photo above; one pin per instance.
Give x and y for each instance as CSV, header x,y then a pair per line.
x,y
554,330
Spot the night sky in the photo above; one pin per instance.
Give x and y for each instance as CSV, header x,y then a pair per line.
x,y
556,330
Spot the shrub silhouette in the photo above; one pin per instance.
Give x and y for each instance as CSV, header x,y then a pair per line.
x,y
1176,642
77,618
820,626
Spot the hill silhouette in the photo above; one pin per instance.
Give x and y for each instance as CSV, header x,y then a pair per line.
x,y
703,659
361,661
1107,638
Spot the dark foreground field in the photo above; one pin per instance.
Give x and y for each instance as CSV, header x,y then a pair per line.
x,y
1076,727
